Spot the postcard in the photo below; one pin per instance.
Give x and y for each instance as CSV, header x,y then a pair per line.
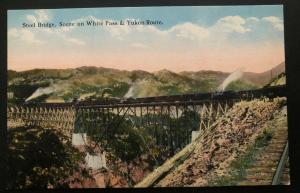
x,y
166,96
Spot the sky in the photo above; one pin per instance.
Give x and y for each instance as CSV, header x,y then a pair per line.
x,y
190,38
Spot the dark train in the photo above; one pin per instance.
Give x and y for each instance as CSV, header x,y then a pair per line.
x,y
275,91
244,94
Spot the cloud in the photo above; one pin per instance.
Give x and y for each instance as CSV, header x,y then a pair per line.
x,y
25,35
31,19
43,16
28,35
230,24
139,45
276,22
190,31
13,32
74,41
118,31
150,35
252,19
40,16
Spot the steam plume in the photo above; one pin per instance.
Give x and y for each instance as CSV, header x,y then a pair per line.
x,y
232,77
130,91
48,90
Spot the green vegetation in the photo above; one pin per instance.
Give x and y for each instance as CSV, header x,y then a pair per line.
x,y
121,139
238,167
120,89
128,141
131,138
37,158
279,80
189,120
240,85
86,80
118,136
171,89
76,91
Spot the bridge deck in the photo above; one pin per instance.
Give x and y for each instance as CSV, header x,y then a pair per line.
x,y
188,99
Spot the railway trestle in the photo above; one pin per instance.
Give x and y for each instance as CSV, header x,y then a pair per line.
x,y
171,119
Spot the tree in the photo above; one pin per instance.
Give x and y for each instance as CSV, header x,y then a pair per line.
x,y
37,158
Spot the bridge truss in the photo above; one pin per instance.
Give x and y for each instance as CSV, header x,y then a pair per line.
x,y
163,116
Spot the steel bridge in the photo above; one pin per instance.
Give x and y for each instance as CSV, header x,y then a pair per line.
x,y
164,114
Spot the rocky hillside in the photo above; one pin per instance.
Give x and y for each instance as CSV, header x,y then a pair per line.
x,y
220,155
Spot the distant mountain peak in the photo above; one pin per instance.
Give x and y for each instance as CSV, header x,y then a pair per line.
x,y
266,76
165,72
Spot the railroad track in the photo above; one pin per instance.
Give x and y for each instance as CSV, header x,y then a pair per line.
x,y
271,166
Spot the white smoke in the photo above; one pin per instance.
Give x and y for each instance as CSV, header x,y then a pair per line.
x,y
232,77
134,89
130,91
48,90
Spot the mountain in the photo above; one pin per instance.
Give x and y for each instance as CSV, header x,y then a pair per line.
x,y
279,80
264,78
67,84
210,80
140,74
